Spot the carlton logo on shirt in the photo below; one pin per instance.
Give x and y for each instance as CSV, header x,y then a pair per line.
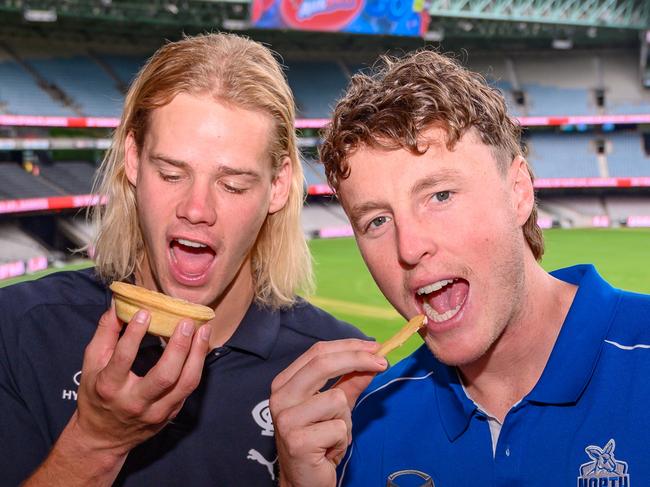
x,y
604,470
262,416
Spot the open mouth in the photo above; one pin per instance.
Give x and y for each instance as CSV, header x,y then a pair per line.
x,y
442,300
191,258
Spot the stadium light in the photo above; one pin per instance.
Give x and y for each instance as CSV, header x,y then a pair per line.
x,y
34,15
435,35
562,44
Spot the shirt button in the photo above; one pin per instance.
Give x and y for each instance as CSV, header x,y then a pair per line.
x,y
508,451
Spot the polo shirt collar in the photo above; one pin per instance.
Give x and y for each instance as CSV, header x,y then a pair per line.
x,y
581,339
570,365
257,332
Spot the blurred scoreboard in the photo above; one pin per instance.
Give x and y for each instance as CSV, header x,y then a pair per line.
x,y
385,17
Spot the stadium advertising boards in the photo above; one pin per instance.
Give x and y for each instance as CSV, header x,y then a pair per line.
x,y
389,17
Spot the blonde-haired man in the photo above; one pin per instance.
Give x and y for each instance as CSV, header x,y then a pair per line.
x,y
204,190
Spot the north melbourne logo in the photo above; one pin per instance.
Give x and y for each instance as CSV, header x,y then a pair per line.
x,y
604,470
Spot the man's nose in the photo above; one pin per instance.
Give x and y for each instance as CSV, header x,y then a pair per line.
x,y
414,241
198,205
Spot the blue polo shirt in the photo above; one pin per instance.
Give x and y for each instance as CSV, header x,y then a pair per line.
x,y
585,423
224,434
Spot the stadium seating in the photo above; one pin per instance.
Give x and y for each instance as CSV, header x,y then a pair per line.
x,y
555,155
21,95
85,82
626,156
16,183
71,176
16,245
621,207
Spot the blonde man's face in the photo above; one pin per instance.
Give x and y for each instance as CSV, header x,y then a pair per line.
x,y
204,187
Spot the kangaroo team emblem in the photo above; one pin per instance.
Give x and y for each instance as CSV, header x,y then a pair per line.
x,y
604,469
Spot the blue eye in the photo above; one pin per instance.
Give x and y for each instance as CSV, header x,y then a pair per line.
x,y
442,196
378,222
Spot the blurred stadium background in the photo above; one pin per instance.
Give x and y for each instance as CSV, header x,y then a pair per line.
x,y
575,73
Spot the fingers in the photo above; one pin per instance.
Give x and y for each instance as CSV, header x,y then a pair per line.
x,y
119,366
319,369
322,348
331,404
178,371
353,385
101,346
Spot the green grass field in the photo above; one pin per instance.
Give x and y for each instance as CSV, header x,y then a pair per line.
x,y
346,289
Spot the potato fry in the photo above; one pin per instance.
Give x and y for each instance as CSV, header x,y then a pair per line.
x,y
401,336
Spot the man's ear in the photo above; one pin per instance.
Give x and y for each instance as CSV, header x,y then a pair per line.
x,y
131,159
523,191
281,186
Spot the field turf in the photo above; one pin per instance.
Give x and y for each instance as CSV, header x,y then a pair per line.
x,y
346,289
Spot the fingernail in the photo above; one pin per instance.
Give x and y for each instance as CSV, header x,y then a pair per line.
x,y
205,332
187,328
141,316
381,361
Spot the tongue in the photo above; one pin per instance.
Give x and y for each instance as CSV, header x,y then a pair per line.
x,y
449,296
190,260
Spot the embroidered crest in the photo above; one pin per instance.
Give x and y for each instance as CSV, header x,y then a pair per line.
x,y
604,469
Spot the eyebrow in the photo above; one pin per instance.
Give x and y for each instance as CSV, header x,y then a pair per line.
x,y
443,176
221,168
358,211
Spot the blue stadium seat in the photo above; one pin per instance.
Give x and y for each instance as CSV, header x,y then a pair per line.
x,y
21,95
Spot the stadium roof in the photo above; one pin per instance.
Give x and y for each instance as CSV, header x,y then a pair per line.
x,y
455,23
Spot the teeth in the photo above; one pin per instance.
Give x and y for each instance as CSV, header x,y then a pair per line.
x,y
439,318
190,243
434,287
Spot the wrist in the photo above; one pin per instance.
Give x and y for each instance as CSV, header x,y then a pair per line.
x,y
100,458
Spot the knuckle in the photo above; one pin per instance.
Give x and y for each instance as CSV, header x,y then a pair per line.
x,y
188,385
276,384
296,445
340,427
104,388
275,403
160,417
322,362
179,344
163,381
338,398
282,421
319,348
134,409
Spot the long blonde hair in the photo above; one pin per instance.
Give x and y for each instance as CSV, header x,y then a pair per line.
x,y
235,70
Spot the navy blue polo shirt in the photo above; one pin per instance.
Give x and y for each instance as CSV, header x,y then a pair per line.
x,y
584,424
223,435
